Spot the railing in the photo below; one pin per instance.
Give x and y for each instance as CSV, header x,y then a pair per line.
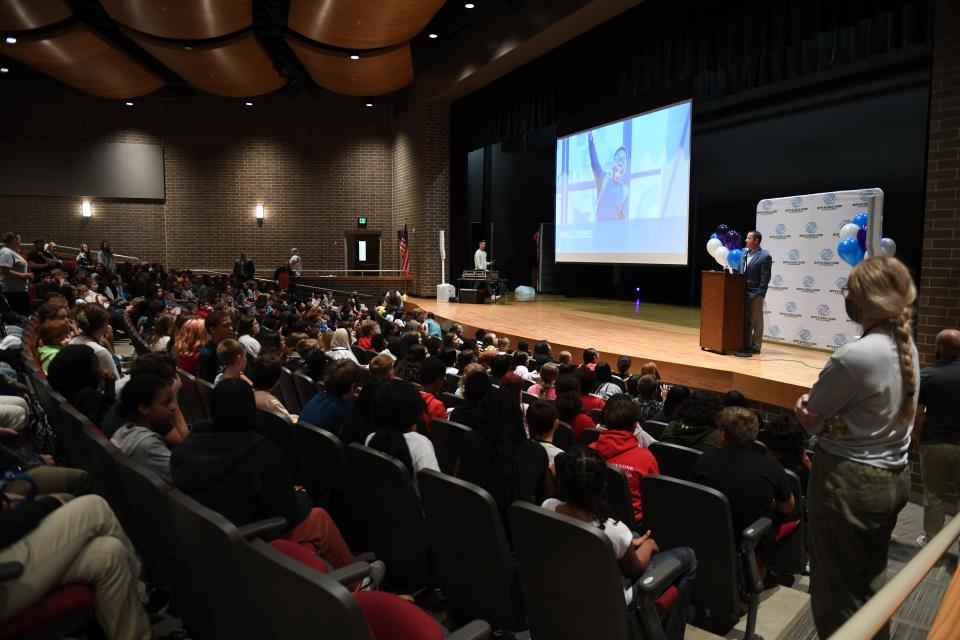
x,y
273,284
880,608
73,251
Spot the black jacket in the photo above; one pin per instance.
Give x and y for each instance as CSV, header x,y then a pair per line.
x,y
239,474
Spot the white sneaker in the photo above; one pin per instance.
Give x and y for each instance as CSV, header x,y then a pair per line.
x,y
922,540
378,571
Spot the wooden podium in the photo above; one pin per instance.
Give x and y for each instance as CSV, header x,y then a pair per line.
x,y
722,299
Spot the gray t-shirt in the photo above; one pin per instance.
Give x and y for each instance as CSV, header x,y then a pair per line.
x,y
10,258
860,391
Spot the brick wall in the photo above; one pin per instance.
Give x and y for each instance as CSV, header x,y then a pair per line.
x,y
940,269
421,188
316,164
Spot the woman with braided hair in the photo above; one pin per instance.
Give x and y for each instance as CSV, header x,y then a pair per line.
x,y
862,409
582,475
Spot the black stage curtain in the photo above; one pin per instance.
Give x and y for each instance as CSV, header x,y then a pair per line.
x,y
710,49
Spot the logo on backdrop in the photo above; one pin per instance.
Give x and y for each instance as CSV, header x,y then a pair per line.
x,y
805,338
839,339
807,285
865,195
829,202
827,258
796,205
774,333
766,307
839,285
779,232
766,208
823,314
790,310
793,258
812,231
777,284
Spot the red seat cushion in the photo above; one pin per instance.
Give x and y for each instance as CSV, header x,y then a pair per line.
x,y
392,618
300,552
786,529
666,600
57,609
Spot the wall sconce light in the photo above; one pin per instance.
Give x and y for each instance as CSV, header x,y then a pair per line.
x,y
259,215
85,209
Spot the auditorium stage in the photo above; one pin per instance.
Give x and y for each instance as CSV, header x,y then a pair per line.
x,y
667,335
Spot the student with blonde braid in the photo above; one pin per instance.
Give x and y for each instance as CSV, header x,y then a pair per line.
x,y
862,409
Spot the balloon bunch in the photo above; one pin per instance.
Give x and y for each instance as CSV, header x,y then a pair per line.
x,y
726,247
853,241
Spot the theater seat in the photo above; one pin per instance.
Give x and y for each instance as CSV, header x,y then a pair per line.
x,y
446,436
64,610
674,460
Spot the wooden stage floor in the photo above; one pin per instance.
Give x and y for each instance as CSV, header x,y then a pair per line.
x,y
667,335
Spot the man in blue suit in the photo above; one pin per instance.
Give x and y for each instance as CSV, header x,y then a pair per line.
x,y
756,265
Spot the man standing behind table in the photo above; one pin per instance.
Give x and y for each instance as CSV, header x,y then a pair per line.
x,y
296,264
480,262
937,428
244,269
756,265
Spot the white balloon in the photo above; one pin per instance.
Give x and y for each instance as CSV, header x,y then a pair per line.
x,y
720,255
712,245
888,247
849,230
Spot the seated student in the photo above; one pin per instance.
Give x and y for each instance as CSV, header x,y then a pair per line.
x,y
398,418
787,442
78,541
677,396
542,422
94,323
754,483
570,405
623,367
449,357
476,385
583,480
340,347
233,358
381,367
606,387
497,455
648,397
541,355
219,326
76,375
163,332
265,375
433,373
149,406
590,358
546,388
618,445
52,335
160,365
247,329
188,344
695,425
565,358
244,477
499,366
42,471
588,386
329,408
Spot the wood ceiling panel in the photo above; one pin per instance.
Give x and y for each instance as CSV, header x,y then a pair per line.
x,y
182,19
374,74
77,56
355,24
24,15
237,68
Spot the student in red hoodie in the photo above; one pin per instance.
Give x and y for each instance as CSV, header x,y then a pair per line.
x,y
618,445
432,374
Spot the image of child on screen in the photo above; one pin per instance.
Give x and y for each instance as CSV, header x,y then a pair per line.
x,y
612,193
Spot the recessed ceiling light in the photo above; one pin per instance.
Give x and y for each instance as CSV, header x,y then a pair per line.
x,y
129,104
369,104
249,104
469,5
432,36
4,70
354,56
11,40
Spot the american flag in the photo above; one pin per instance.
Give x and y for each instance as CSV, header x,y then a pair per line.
x,y
404,254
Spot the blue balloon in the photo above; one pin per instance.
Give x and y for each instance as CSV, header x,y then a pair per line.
x,y
712,236
850,251
735,256
860,219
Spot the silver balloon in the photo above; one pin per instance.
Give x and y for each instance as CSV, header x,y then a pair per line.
x,y
849,230
720,255
888,247
712,245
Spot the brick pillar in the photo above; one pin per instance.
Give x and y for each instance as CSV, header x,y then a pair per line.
x,y
421,188
940,267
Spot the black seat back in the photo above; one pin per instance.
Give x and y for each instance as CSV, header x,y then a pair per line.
x,y
106,482
188,399
324,460
446,437
306,388
299,601
210,546
205,391
470,550
567,600
617,496
790,554
278,428
685,514
654,428
588,436
451,401
288,392
563,437
392,513
450,382
674,460
71,436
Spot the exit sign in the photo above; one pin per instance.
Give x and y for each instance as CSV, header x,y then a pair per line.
x,y
362,221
